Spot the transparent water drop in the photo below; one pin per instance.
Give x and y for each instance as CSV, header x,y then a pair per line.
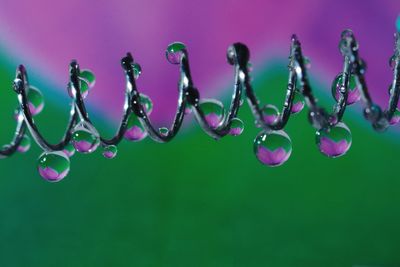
x,y
237,127
84,139
35,100
88,76
53,166
335,141
298,103
273,148
270,114
84,89
110,152
137,70
396,118
135,130
146,103
69,150
213,111
175,52
164,131
354,94
24,145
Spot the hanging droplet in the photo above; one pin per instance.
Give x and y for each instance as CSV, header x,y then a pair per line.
x,y
84,89
83,138
175,52
146,103
53,166
164,131
270,114
135,130
335,141
353,95
137,70
24,145
88,75
298,103
69,150
273,148
110,152
396,118
35,100
237,127
213,111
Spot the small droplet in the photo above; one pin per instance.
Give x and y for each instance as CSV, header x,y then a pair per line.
x,y
137,70
270,114
334,141
24,145
35,100
273,148
69,150
135,131
53,166
396,118
88,75
164,131
175,52
110,152
298,103
392,61
84,86
213,111
353,93
83,138
146,103
307,62
237,127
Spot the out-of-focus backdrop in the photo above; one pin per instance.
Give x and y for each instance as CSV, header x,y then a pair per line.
x,y
197,201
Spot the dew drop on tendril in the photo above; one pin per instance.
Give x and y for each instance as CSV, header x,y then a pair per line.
x,y
237,127
163,131
135,130
353,95
137,70
110,152
298,103
146,103
88,76
83,138
35,100
24,145
175,52
273,148
53,166
69,150
270,114
84,86
213,112
334,141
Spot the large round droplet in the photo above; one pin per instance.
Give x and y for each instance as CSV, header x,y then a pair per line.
x,y
270,114
137,70
213,111
110,152
24,145
35,100
396,118
298,103
237,127
69,150
353,95
334,141
88,75
84,88
146,103
135,130
53,166
273,148
175,52
84,139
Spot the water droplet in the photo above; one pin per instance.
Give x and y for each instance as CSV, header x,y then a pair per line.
x,y
24,145
164,131
298,103
84,89
83,138
137,70
273,148
237,127
88,76
69,150
353,92
135,131
392,61
175,52
396,118
53,166
35,100
146,103
335,141
307,62
213,111
270,114
110,152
